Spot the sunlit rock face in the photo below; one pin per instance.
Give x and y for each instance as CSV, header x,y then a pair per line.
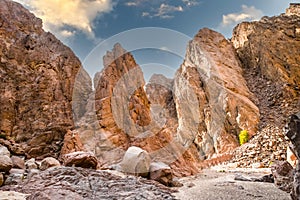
x,y
37,74
269,51
124,112
211,96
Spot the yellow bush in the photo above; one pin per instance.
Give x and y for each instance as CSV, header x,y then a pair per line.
x,y
243,137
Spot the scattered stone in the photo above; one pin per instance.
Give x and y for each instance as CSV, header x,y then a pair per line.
x,y
81,159
240,177
240,187
5,163
16,176
32,172
263,149
31,164
136,161
189,185
161,172
49,162
4,151
269,178
18,162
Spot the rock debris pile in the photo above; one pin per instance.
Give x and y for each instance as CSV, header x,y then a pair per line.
x,y
263,149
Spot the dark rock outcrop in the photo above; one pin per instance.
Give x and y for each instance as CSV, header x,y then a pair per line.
x,y
293,133
37,74
283,175
80,183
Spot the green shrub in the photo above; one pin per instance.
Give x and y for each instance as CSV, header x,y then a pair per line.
x,y
243,137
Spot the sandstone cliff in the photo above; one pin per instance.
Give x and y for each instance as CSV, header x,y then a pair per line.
x,y
269,50
37,74
212,99
123,115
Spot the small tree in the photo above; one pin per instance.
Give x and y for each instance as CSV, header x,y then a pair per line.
x,y
243,137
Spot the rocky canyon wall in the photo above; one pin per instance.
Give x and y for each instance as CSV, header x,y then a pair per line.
x,y
269,50
212,98
37,74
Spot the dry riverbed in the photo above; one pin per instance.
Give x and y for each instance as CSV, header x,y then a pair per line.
x,y
218,183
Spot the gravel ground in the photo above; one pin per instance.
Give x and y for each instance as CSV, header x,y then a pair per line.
x,y
218,184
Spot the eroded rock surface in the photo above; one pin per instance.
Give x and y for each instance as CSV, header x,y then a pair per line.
x,y
212,99
123,116
268,50
37,74
79,183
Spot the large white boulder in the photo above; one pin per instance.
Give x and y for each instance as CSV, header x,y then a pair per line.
x,y
136,161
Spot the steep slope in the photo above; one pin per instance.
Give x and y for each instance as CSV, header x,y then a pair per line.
x,y
212,99
37,74
270,53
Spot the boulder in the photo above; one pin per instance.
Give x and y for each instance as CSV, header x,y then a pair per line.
x,y
72,143
15,177
283,175
49,162
161,172
81,159
293,133
18,162
31,164
5,164
136,161
4,151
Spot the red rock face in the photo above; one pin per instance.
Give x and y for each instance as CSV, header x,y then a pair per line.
x,y
37,74
118,108
72,143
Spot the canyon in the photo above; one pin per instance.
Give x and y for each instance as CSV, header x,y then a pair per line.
x,y
51,107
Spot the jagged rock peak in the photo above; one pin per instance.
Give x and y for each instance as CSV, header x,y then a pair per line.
x,y
212,99
160,79
116,52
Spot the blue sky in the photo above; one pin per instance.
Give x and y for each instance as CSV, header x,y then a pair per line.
x,y
85,25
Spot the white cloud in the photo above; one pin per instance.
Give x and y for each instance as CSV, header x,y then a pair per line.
x,y
145,14
131,3
161,8
77,14
191,3
165,11
67,33
248,13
